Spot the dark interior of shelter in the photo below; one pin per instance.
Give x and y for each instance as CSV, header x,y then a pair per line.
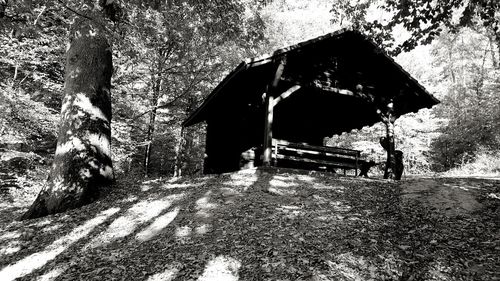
x,y
322,87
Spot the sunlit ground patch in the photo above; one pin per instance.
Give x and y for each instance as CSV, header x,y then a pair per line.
x,y
157,226
146,187
10,235
230,194
10,247
167,275
43,222
306,178
180,185
244,179
134,217
463,187
183,233
221,268
349,267
337,188
204,206
282,183
337,206
52,228
202,229
291,211
130,199
37,260
53,273
282,191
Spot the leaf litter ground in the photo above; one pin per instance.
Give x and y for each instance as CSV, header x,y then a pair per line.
x,y
265,225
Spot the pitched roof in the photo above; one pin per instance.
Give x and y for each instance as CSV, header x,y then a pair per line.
x,y
252,76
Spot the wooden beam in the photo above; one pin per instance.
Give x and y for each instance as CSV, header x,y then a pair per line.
x,y
334,90
286,94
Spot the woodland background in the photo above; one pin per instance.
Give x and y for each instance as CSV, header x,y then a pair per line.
x,y
169,55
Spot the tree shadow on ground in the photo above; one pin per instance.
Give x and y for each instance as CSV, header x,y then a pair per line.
x,y
257,225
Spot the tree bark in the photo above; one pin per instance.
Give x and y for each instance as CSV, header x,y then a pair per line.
x,y
82,163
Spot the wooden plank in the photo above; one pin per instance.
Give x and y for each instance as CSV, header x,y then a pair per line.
x,y
286,94
345,151
317,153
316,161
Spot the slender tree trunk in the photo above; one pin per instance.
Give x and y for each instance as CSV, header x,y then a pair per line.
x,y
152,124
179,152
149,140
390,162
82,163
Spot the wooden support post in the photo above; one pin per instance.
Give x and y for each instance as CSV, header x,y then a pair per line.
x,y
388,118
268,125
357,164
390,161
268,132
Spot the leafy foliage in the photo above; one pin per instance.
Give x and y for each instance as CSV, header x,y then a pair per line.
x,y
467,64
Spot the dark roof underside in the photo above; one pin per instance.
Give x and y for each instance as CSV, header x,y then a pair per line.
x,y
338,60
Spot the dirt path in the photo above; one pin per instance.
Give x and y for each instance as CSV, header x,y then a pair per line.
x,y
450,196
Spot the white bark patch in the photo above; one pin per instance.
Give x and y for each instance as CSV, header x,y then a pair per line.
x,y
101,143
74,74
38,260
83,102
106,172
221,268
58,184
72,144
65,105
85,173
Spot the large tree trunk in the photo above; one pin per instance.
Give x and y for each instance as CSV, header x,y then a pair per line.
x,y
82,163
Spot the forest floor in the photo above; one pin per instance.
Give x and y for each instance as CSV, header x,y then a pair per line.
x,y
264,225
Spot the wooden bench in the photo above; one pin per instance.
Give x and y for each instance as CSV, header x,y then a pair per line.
x,y
315,156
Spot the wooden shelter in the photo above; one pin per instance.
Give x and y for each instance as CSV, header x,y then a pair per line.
x,y
306,92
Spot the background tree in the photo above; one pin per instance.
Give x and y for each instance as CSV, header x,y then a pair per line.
x,y
177,54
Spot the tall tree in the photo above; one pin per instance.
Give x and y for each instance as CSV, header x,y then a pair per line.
x,y
82,163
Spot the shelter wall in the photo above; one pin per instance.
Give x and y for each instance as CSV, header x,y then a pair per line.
x,y
232,142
